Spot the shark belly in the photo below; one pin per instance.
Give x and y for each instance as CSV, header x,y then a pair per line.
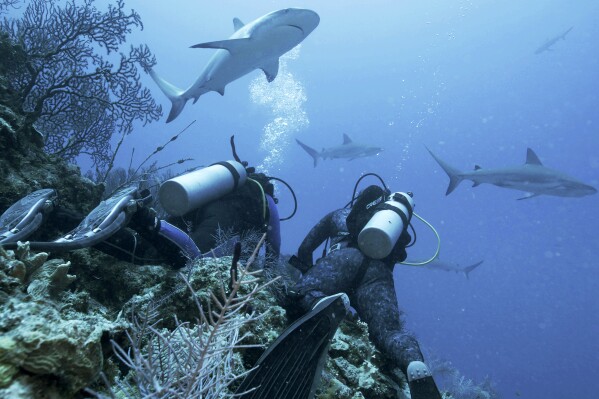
x,y
262,50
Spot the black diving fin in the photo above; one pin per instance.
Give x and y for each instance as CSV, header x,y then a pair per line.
x,y
25,216
107,218
291,366
421,382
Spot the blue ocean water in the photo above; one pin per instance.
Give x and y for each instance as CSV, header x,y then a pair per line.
x,y
460,77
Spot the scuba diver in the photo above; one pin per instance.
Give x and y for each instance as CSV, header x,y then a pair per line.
x,y
226,195
367,240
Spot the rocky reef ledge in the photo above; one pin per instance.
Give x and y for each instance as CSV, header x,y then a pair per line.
x,y
56,327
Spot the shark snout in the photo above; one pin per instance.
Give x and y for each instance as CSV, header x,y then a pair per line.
x,y
590,190
304,19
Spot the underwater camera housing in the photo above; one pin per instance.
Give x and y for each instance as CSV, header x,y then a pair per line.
x,y
190,191
378,237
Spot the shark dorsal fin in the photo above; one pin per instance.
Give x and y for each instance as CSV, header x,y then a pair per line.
x,y
346,139
237,24
232,45
271,70
477,167
532,158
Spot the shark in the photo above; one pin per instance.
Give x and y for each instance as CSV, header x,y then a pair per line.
x,y
256,45
532,177
438,264
550,42
348,149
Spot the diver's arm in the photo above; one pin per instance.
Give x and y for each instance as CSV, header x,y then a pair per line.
x,y
324,229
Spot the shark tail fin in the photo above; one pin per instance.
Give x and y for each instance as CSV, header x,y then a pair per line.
x,y
173,93
453,173
313,153
468,269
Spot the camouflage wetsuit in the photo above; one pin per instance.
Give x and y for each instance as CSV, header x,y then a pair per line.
x,y
368,283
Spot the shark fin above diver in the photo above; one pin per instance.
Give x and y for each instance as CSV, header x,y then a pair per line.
x,y
252,46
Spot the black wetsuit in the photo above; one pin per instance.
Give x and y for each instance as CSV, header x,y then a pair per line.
x,y
237,212
368,283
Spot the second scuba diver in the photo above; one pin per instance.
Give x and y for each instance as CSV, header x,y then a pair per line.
x,y
367,240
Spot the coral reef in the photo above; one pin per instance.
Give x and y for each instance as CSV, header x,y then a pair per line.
x,y
47,349
59,81
356,369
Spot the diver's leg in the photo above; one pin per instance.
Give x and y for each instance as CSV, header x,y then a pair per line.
x,y
334,273
376,303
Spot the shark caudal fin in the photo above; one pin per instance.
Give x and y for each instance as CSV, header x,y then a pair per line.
x,y
453,173
173,93
313,153
468,269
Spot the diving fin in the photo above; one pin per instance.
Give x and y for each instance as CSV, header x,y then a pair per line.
x,y
420,380
107,218
26,215
291,367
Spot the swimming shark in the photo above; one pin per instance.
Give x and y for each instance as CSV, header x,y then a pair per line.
x,y
550,42
257,45
438,264
532,177
348,149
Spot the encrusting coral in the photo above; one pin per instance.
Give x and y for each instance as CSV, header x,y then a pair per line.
x,y
46,348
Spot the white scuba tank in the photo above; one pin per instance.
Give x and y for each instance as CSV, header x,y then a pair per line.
x,y
378,237
187,192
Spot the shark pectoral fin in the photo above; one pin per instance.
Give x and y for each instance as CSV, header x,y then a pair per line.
x,y
346,139
477,167
529,195
221,91
232,45
237,24
271,70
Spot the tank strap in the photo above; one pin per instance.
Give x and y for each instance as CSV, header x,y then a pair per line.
x,y
233,171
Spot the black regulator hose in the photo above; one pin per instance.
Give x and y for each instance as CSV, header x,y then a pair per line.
x,y
292,194
353,197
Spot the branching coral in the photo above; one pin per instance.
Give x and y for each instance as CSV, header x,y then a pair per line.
x,y
73,95
194,360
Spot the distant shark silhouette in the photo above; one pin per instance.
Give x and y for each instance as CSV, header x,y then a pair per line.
x,y
438,264
550,42
348,149
532,177
257,45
